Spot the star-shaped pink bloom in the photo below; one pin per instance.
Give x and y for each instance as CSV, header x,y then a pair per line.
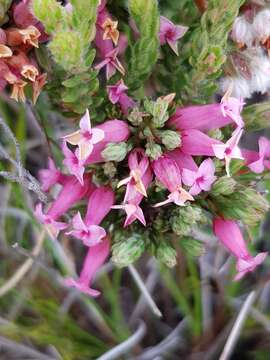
x,y
200,180
229,150
112,63
133,212
53,227
168,173
49,177
117,94
71,161
170,33
261,162
91,235
86,137
138,163
231,107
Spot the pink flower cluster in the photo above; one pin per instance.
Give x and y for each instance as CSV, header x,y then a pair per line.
x,y
176,170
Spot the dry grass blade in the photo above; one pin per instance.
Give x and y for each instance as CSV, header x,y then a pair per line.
x,y
125,346
24,268
237,327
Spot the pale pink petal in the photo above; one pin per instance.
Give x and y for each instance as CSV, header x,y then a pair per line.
x,y
264,146
188,177
85,122
207,168
195,189
219,150
207,183
73,138
97,135
85,150
77,222
173,45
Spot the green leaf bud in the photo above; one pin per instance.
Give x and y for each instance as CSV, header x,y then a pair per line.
x,y
223,186
166,254
171,139
127,251
115,151
192,246
154,151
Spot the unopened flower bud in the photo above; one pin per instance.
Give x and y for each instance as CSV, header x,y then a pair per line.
x,y
243,204
115,151
184,218
171,139
136,117
166,254
109,169
257,116
154,151
223,186
192,246
127,251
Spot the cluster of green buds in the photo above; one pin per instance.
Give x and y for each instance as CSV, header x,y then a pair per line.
x,y
149,124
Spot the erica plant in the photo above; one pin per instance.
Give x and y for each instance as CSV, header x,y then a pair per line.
x,y
150,150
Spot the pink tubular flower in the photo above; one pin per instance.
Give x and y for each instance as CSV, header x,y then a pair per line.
x,y
133,197
228,232
52,226
71,193
112,64
195,142
117,94
51,176
229,150
99,205
200,117
138,163
73,164
257,161
95,258
208,117
170,33
86,137
168,173
200,180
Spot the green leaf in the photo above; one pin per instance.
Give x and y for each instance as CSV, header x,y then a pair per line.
x,y
144,52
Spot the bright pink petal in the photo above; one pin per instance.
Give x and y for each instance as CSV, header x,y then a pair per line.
x,y
167,172
200,117
99,205
95,258
194,142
